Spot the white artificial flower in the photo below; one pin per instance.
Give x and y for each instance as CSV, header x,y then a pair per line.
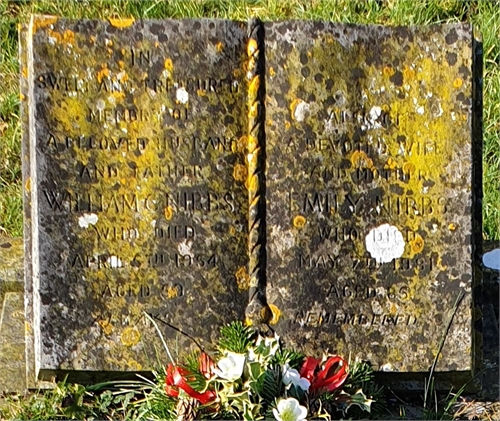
x,y
290,375
231,366
272,344
290,410
251,355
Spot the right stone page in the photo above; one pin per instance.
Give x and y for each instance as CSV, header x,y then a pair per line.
x,y
369,175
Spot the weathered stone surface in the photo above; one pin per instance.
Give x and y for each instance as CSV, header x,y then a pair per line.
x,y
369,191
12,351
136,183
12,348
141,159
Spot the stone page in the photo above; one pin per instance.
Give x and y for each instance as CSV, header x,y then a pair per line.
x,y
136,188
369,188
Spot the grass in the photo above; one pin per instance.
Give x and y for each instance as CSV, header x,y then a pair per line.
x,y
484,14
73,401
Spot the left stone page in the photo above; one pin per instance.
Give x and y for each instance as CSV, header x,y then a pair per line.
x,y
136,188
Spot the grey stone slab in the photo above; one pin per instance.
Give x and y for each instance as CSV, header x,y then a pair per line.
x,y
372,222
137,188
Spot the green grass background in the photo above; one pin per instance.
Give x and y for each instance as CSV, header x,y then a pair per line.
x,y
483,14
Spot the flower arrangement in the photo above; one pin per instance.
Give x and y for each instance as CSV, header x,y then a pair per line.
x,y
252,377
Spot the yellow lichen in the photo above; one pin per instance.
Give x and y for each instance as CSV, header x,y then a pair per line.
x,y
252,47
252,183
293,107
408,168
248,322
104,72
388,71
359,159
452,226
390,164
240,172
271,72
134,365
457,83
130,336
299,221
417,244
106,326
169,212
275,314
219,46
408,73
172,292
168,64
27,185
42,22
121,22
67,37
254,87
240,145
242,278
253,112
252,142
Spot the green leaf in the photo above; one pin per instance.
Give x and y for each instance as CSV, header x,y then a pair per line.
x,y
287,356
344,401
272,385
255,370
236,337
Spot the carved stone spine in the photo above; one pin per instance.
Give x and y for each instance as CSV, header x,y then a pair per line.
x,y
255,311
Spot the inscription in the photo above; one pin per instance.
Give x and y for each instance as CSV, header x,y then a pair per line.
x,y
175,232
332,261
185,201
115,233
338,145
61,82
126,290
127,144
353,292
329,202
192,85
375,118
316,319
136,292
106,261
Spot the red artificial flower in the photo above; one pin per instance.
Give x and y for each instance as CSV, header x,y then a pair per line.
x,y
177,378
330,377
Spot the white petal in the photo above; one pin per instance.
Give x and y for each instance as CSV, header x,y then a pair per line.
x,y
300,413
276,414
303,383
282,405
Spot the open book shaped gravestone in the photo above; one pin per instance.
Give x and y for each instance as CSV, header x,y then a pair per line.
x,y
321,178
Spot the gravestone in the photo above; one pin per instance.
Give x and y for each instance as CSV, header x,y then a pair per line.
x,y
136,184
372,217
322,178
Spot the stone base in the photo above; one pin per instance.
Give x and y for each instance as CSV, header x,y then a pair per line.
x,y
12,344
